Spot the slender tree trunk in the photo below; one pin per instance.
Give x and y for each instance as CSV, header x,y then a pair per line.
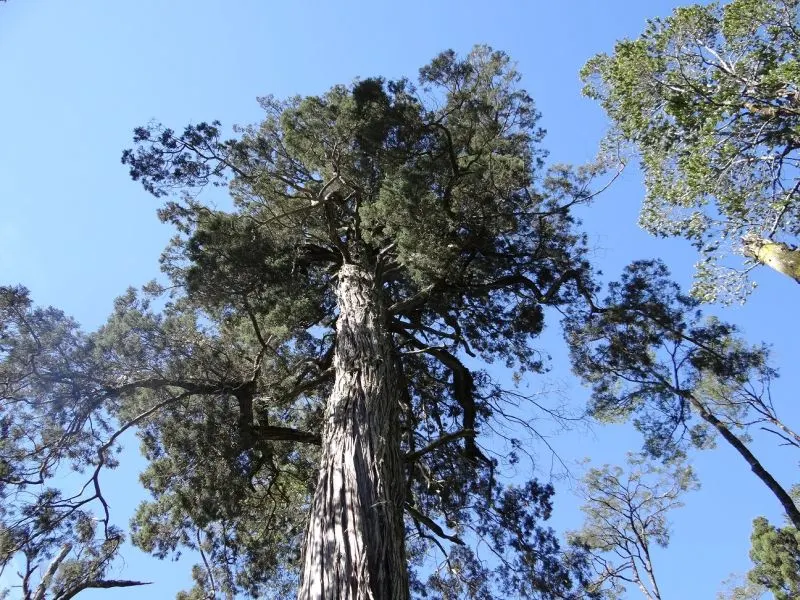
x,y
789,507
354,547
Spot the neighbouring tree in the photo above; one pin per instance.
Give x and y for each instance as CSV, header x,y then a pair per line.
x,y
649,355
308,386
52,421
738,587
710,98
626,517
776,555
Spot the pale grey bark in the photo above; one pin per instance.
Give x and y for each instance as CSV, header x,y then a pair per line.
x,y
780,256
354,547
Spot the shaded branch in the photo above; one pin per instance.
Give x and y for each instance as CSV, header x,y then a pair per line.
x,y
287,434
445,439
463,386
432,525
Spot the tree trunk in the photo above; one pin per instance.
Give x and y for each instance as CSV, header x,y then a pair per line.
x,y
789,507
354,547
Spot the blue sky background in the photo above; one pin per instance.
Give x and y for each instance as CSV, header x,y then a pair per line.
x,y
77,76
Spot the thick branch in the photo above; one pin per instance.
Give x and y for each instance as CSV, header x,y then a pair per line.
x,y
305,386
99,584
544,297
287,434
155,383
445,439
414,301
432,525
51,570
780,256
463,387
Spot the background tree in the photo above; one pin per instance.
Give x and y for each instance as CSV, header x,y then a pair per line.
x,y
738,587
709,97
650,355
776,555
626,518
305,386
53,419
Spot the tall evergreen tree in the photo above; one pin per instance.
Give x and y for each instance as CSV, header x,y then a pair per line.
x,y
314,381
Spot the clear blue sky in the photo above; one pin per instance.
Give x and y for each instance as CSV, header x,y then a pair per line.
x,y
77,76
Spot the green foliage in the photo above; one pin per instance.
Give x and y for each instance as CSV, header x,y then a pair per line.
x,y
434,189
650,355
776,554
626,517
709,98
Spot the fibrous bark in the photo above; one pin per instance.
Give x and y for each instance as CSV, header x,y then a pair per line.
x,y
354,546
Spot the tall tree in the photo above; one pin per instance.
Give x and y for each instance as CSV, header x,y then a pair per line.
x,y
309,373
710,98
626,518
649,355
776,554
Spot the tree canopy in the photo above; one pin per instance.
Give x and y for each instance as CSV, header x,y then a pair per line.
x,y
650,356
709,98
327,381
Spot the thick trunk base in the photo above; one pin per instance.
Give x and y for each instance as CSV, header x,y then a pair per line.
x,y
354,546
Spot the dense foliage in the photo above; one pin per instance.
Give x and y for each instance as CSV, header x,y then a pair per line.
x,y
776,554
